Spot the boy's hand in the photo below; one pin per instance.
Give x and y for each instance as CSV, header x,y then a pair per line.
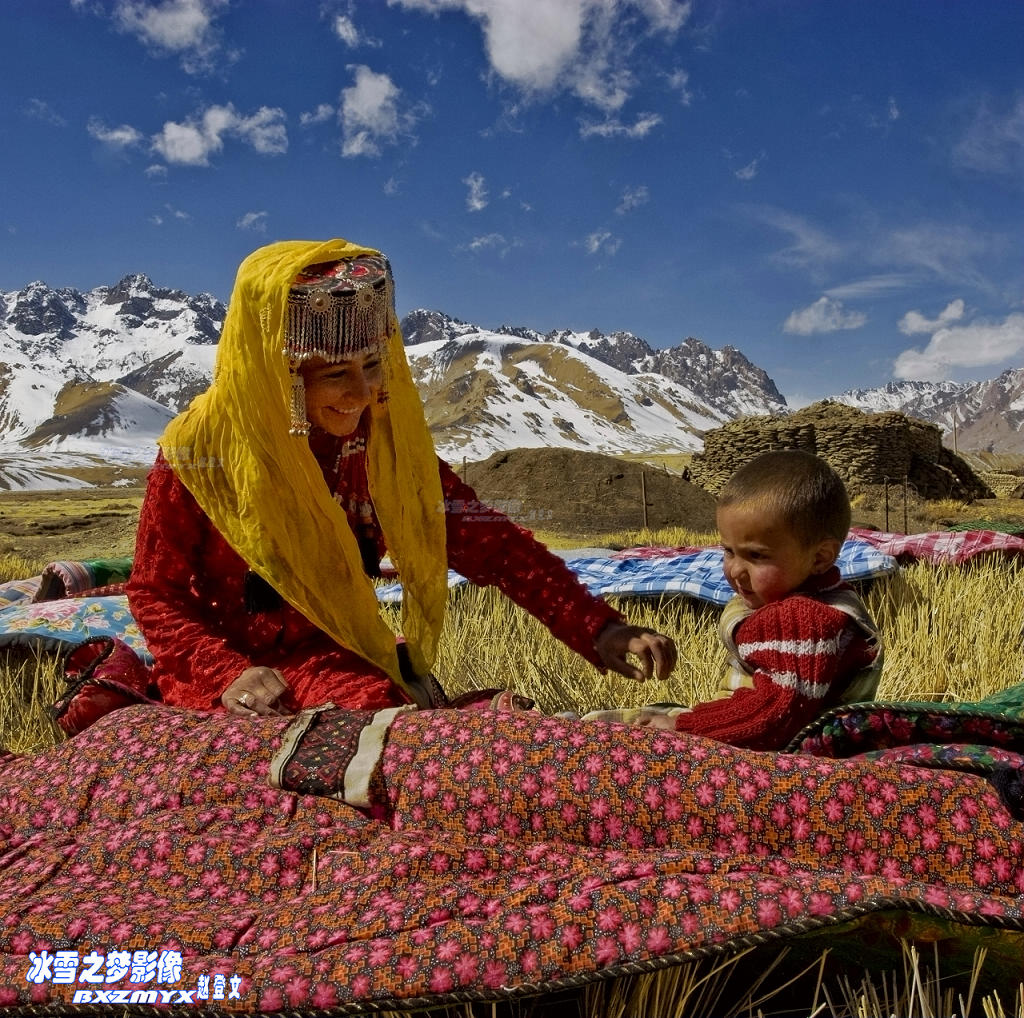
x,y
657,653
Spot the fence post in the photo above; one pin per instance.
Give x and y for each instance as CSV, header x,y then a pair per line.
x,y
643,495
885,482
906,522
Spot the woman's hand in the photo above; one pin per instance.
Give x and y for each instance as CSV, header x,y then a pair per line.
x,y
256,692
657,653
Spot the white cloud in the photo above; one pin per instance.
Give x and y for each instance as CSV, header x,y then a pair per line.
x,y
193,142
529,43
346,31
601,242
320,115
948,251
370,114
476,199
614,128
632,198
666,15
157,218
509,195
894,110
870,286
811,247
970,345
913,322
600,85
493,242
391,187
679,81
994,141
39,109
255,221
747,172
581,46
122,137
156,171
264,131
824,315
183,27
186,144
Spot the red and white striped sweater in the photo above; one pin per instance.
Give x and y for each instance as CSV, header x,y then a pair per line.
x,y
791,659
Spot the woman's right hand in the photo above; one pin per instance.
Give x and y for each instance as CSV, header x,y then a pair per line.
x,y
256,693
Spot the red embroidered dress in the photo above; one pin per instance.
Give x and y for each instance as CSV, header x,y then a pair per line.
x,y
188,591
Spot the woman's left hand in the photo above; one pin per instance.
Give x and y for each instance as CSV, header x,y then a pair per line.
x,y
657,653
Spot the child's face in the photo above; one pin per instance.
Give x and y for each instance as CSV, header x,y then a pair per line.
x,y
764,560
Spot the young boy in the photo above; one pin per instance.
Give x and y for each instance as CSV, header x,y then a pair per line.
x,y
800,640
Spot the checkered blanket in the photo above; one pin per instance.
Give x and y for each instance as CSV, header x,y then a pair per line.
x,y
945,548
692,572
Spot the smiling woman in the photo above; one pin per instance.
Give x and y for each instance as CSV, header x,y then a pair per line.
x,y
338,394
279,490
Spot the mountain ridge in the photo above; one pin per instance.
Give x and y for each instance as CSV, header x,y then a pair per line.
x,y
93,376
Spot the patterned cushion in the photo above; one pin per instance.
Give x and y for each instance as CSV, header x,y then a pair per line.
x,y
56,625
19,590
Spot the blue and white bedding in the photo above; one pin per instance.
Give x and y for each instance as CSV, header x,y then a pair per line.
x,y
691,572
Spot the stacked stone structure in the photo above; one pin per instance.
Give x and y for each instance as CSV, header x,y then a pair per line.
x,y
863,448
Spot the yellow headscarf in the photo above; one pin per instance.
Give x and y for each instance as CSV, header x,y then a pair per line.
x,y
265,493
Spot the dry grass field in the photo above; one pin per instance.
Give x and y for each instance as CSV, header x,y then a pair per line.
x,y
952,634
69,524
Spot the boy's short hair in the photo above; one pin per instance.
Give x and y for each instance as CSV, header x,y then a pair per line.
x,y
801,488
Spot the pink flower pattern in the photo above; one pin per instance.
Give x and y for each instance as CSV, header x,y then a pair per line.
x,y
505,850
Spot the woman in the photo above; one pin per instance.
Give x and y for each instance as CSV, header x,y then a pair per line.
x,y
277,492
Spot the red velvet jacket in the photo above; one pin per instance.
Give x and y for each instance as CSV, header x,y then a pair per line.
x,y
188,593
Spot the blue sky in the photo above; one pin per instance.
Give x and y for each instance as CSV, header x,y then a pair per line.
x,y
835,188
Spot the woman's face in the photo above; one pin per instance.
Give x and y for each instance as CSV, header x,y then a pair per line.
x,y
337,393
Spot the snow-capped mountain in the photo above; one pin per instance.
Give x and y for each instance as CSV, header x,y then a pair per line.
x,y
518,388
94,377
984,415
90,379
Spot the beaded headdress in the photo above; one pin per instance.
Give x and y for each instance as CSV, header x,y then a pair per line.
x,y
335,309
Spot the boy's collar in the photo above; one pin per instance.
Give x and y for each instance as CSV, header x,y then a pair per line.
x,y
817,582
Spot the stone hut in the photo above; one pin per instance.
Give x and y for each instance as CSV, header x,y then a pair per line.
x,y
863,448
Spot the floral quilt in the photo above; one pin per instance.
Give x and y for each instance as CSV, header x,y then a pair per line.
x,y
349,862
